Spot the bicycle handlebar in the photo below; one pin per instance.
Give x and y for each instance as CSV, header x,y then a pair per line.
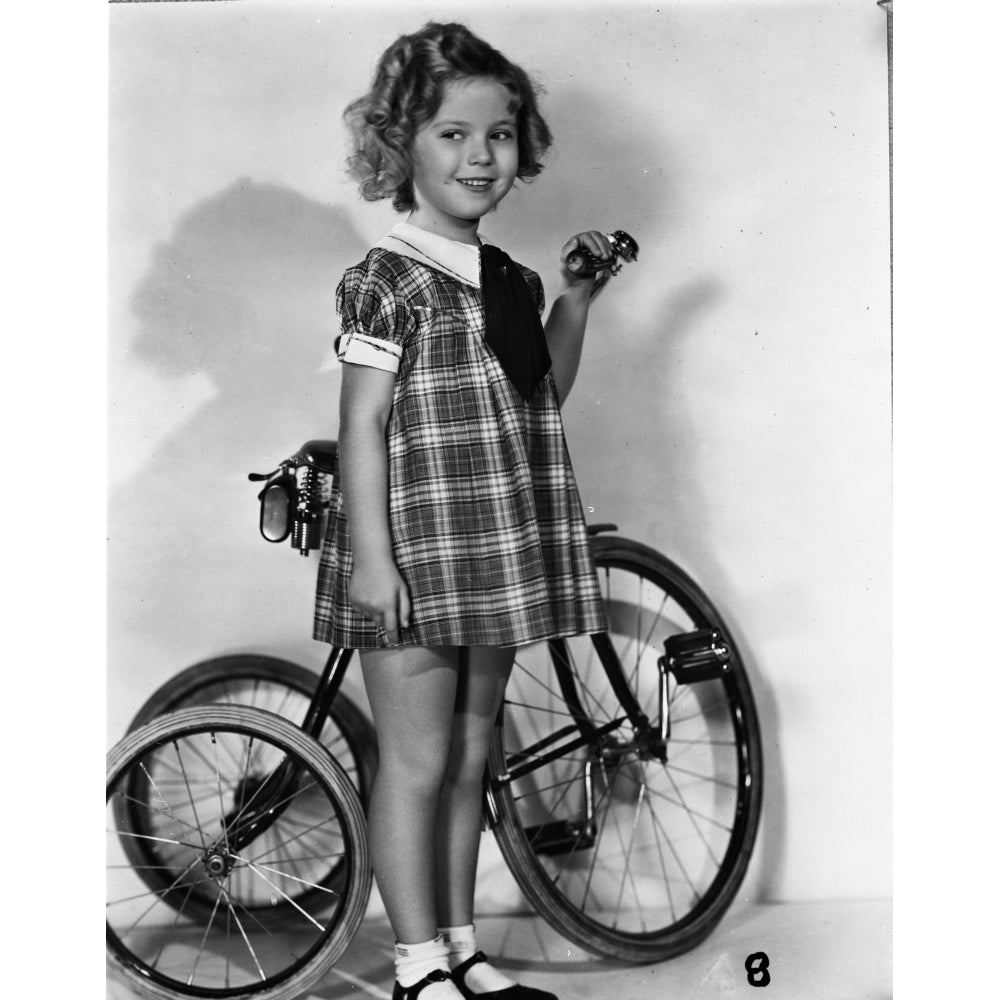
x,y
295,496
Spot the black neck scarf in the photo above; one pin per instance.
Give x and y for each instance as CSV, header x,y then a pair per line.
x,y
513,327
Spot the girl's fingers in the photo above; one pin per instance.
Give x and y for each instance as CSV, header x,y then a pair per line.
x,y
390,624
395,615
570,245
593,242
602,245
404,606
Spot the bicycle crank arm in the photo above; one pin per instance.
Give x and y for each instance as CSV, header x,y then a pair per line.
x,y
582,741
566,836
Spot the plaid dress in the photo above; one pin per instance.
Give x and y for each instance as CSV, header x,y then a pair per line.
x,y
487,527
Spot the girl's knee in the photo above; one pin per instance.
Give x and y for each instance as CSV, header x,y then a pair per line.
x,y
466,781
414,769
467,763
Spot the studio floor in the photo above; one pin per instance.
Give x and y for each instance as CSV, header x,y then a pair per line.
x,y
815,951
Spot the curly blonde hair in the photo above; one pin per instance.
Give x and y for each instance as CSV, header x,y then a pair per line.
x,y
406,93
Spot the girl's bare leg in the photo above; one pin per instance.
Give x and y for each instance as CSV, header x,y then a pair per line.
x,y
412,695
482,677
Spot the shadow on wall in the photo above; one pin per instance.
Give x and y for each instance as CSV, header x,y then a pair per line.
x,y
244,291
649,441
634,421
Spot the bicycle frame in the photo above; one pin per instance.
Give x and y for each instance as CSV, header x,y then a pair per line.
x,y
692,657
269,801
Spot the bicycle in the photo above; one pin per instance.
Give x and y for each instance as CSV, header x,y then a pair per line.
x,y
623,785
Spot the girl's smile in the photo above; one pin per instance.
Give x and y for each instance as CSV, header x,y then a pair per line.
x,y
465,160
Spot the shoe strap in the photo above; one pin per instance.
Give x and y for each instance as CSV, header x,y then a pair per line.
x,y
461,969
434,976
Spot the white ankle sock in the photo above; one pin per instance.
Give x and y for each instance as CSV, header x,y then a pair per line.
x,y
414,961
481,977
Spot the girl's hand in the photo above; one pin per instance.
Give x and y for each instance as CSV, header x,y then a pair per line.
x,y
600,246
378,591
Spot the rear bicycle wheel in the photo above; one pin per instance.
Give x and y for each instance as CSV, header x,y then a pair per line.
x,y
630,846
275,685
200,765
278,686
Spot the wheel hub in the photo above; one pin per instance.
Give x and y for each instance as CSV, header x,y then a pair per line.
x,y
217,862
646,745
650,747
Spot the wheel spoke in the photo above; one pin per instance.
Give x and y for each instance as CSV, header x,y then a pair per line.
x,y
553,809
284,895
663,864
690,813
702,777
250,949
628,858
159,840
301,858
222,807
525,672
677,858
601,712
158,897
204,939
537,708
173,927
291,840
156,811
712,743
282,848
546,788
159,894
600,833
655,793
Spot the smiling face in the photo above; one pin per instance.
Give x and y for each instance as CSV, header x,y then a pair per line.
x,y
465,159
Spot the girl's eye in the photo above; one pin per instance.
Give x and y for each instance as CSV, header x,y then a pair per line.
x,y
451,134
503,134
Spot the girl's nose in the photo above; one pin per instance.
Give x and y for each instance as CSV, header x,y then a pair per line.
x,y
480,152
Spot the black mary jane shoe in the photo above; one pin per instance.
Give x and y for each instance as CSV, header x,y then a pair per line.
x,y
515,992
410,992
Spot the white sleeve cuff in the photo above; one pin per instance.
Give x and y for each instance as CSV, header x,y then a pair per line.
x,y
360,349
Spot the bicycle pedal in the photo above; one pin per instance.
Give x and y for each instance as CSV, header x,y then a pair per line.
x,y
696,656
559,837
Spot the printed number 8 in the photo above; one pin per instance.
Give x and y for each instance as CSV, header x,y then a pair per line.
x,y
756,966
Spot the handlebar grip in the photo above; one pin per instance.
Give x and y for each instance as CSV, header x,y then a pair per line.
x,y
582,262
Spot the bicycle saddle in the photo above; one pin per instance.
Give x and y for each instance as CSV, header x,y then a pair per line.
x,y
319,454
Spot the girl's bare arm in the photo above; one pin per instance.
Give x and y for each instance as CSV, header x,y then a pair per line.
x,y
376,587
567,320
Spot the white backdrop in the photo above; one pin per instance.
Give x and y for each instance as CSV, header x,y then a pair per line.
x,y
733,405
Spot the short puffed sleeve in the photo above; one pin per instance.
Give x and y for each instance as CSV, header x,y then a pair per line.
x,y
375,318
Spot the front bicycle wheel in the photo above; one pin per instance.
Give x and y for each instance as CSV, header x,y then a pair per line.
x,y
275,685
630,840
206,770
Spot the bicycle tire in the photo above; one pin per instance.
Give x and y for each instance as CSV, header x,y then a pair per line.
x,y
713,776
353,745
259,681
164,953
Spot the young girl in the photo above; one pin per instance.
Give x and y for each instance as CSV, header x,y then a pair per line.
x,y
457,533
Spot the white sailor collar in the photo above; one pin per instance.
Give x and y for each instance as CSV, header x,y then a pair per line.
x,y
458,260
